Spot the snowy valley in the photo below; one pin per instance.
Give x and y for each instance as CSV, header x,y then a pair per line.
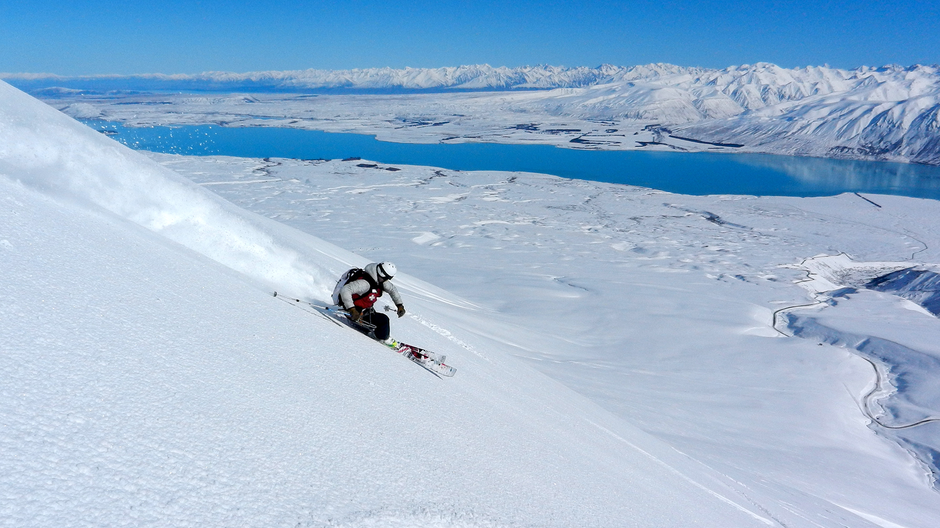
x,y
626,356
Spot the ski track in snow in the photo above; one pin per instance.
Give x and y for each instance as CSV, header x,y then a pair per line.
x,y
671,469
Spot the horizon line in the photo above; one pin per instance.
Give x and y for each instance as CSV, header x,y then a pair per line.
x,y
180,76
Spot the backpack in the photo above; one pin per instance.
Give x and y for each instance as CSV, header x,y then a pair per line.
x,y
352,275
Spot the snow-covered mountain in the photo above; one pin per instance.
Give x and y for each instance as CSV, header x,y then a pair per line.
x,y
749,86
889,113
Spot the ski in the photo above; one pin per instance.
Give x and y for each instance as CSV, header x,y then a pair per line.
x,y
337,313
297,303
430,361
418,352
438,369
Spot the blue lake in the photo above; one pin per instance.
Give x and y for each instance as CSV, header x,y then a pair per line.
x,y
686,173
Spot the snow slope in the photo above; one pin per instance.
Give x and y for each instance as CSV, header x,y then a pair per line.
x,y
144,384
889,113
662,309
150,377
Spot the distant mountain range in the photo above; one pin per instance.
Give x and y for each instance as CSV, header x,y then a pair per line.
x,y
888,113
745,84
470,78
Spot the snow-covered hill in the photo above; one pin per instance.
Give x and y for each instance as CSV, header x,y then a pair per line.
x,y
148,376
888,113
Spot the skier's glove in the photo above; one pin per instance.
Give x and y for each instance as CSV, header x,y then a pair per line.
x,y
355,314
401,309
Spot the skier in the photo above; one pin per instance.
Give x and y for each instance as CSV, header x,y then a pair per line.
x,y
358,289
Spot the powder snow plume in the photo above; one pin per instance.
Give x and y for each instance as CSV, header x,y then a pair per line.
x,y
63,157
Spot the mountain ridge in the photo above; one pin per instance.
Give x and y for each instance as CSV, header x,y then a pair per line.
x,y
469,77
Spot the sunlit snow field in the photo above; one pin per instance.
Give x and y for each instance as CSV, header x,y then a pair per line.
x,y
625,356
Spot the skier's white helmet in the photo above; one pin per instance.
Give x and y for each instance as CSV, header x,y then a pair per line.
x,y
386,270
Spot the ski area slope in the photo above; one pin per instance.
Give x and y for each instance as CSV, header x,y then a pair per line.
x,y
149,377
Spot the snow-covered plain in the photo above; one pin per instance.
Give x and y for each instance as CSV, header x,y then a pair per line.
x,y
622,353
889,113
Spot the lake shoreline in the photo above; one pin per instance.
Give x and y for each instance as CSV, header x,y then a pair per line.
x,y
698,173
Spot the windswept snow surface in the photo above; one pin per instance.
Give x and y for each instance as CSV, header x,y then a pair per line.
x,y
618,361
889,113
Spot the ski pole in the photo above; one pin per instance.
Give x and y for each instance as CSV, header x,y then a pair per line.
x,y
288,298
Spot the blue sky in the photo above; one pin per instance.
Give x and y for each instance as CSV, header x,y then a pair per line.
x,y
124,37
